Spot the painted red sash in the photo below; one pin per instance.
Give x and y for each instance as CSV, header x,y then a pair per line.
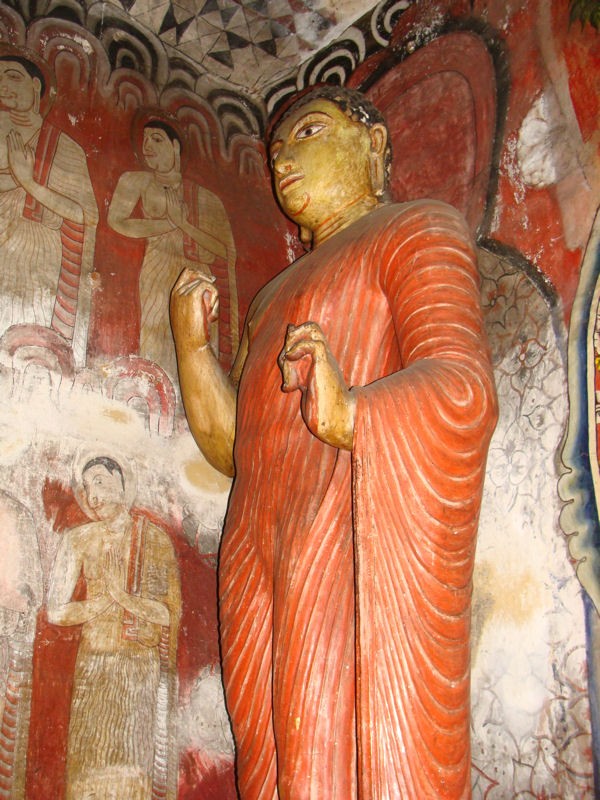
x,y
71,235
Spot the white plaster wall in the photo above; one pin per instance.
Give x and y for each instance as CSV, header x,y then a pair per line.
x,y
530,722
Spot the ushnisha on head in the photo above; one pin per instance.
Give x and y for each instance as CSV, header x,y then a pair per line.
x,y
330,157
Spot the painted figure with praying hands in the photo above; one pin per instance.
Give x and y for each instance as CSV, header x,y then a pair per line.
x,y
48,211
124,687
183,225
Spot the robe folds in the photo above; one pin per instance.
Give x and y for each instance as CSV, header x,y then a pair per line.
x,y
345,578
166,255
47,260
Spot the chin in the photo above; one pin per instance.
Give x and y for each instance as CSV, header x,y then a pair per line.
x,y
295,207
103,513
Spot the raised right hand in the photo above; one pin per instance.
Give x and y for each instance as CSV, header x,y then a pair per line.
x,y
194,306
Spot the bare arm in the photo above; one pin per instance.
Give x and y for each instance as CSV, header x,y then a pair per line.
x,y
209,395
124,200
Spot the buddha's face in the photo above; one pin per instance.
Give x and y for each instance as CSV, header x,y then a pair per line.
x,y
320,161
18,90
104,491
160,153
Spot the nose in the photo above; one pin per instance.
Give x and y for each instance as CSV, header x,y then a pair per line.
x,y
282,163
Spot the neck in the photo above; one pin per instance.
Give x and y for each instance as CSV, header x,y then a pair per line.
x,y
343,217
25,119
116,523
171,177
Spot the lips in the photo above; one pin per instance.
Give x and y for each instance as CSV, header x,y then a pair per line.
x,y
289,180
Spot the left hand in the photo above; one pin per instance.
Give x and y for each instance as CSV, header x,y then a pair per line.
x,y
327,405
194,306
20,159
175,208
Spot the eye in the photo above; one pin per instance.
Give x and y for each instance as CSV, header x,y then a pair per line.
x,y
306,131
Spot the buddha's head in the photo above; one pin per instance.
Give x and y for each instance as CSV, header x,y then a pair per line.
x,y
22,84
328,151
161,147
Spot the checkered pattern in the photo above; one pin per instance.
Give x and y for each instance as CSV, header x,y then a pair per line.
x,y
247,42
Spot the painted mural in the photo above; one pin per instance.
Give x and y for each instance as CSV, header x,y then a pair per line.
x,y
111,183
120,162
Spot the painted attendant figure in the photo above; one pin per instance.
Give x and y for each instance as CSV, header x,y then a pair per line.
x,y
48,211
347,555
21,590
121,740
183,225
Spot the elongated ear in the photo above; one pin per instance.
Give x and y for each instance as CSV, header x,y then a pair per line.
x,y
306,237
378,135
37,94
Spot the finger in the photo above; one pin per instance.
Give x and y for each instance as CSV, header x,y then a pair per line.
x,y
288,375
11,143
304,347
188,280
185,275
18,142
296,374
306,331
211,304
292,341
199,282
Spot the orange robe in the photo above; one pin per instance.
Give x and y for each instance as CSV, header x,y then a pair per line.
x,y
345,578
